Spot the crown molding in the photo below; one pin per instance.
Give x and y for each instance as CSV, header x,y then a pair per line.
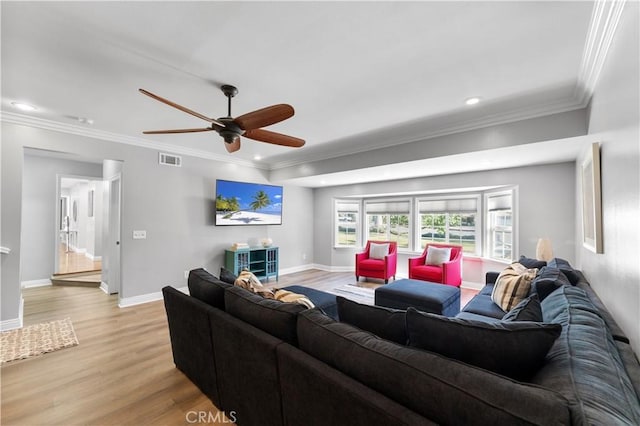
x,y
41,123
602,27
463,125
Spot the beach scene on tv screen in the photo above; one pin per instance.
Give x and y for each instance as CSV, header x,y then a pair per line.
x,y
242,203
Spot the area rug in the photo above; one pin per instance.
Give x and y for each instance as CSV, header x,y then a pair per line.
x,y
356,293
36,340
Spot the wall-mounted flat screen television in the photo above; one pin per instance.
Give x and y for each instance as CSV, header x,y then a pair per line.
x,y
243,203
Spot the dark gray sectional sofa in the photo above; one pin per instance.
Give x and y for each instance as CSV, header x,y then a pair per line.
x,y
279,364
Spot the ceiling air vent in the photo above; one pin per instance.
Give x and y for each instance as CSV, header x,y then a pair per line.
x,y
170,160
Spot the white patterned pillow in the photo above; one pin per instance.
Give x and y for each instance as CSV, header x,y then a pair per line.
x,y
378,251
512,286
436,256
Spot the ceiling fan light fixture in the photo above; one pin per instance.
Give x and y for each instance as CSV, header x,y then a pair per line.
x,y
229,136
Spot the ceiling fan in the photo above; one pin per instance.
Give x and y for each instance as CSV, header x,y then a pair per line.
x,y
247,125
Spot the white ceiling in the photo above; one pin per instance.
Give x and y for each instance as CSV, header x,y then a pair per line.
x,y
350,69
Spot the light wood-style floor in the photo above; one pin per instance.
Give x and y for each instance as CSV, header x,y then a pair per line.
x,y
122,372
70,262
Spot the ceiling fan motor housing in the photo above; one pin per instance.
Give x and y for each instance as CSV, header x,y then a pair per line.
x,y
231,130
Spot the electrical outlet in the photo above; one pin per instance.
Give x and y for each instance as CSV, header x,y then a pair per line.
x,y
186,275
304,256
139,235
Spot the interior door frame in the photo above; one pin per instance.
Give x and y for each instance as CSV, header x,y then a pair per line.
x,y
114,249
58,218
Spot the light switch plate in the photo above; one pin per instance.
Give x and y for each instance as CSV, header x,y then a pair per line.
x,y
139,235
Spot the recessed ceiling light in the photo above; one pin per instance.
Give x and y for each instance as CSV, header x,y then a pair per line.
x,y
257,157
23,107
472,101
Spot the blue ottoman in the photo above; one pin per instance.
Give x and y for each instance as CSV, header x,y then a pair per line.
x,y
322,300
424,296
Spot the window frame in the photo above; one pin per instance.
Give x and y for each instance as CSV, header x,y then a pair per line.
x,y
478,216
409,214
488,231
336,223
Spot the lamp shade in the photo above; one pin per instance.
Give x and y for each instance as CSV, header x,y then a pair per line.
x,y
544,250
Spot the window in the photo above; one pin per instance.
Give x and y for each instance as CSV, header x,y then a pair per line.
x,y
500,225
449,220
389,221
347,223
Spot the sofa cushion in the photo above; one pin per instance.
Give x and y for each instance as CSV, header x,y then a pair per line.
x,y
514,349
531,263
584,364
320,299
429,384
482,304
384,322
512,286
272,316
566,269
227,276
527,310
206,287
549,279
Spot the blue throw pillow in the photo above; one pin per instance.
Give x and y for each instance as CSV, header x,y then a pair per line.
x,y
513,349
530,263
547,281
527,310
566,269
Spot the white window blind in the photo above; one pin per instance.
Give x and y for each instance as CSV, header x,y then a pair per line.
x,y
388,207
499,202
452,205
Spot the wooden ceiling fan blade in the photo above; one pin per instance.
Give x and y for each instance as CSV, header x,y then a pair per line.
x,y
160,132
274,138
233,146
264,117
180,107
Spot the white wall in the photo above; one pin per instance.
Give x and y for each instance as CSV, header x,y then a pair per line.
x,y
614,121
545,207
174,205
39,203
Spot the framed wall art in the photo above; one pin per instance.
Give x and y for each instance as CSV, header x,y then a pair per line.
x,y
592,200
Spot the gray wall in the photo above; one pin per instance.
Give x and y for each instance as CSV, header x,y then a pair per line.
x,y
545,207
39,204
174,205
614,122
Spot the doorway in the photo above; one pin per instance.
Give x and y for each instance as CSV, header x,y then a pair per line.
x,y
79,223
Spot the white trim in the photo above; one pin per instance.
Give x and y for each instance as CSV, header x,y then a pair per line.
x,y
35,283
126,302
472,286
104,287
604,21
329,268
294,269
25,120
12,324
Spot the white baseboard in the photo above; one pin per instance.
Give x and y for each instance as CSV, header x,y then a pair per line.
x,y
35,283
104,287
329,268
12,324
126,302
472,286
92,257
294,269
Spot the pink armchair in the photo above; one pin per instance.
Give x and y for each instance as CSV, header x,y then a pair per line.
x,y
383,268
449,273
